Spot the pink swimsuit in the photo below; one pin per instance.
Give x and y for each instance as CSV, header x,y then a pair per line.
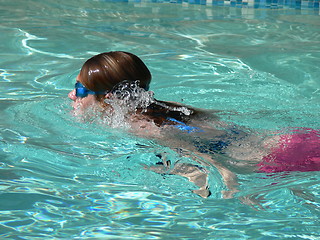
x,y
299,151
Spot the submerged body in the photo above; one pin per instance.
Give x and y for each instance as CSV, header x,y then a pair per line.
x,y
116,84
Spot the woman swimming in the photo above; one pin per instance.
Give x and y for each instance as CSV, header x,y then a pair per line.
x,y
116,84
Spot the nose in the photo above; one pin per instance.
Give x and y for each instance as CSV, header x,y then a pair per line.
x,y
72,95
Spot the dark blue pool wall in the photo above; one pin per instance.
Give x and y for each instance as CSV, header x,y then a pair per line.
x,y
293,4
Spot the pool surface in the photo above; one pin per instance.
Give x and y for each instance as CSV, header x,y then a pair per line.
x,y
63,178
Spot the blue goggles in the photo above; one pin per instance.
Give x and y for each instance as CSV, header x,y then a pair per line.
x,y
82,91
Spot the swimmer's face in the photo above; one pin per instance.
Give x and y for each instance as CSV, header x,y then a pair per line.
x,y
82,103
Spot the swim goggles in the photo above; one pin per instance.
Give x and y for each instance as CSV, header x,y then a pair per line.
x,y
82,91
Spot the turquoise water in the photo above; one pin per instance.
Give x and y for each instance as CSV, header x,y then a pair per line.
x,y
61,178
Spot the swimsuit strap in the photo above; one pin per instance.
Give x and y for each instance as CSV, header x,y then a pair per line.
x,y
184,127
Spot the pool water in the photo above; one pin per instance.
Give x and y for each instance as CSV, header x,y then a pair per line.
x,y
63,178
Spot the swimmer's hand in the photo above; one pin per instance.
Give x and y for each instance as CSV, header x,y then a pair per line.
x,y
254,201
193,173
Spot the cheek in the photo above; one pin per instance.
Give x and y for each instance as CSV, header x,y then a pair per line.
x,y
87,102
76,104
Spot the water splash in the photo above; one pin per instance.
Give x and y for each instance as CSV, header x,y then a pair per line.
x,y
124,100
129,93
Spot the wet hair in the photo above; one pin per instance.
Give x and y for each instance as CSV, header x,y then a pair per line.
x,y
118,72
103,71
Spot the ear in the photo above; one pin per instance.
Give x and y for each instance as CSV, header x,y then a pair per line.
x,y
108,95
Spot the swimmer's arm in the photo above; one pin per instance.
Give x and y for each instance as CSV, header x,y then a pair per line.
x,y
229,178
199,175
194,173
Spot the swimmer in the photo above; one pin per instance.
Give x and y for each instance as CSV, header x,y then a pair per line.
x,y
117,84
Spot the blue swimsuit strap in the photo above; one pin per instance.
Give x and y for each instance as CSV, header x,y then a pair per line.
x,y
184,127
